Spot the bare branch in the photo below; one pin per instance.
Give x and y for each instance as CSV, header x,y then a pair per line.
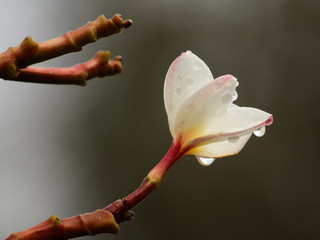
x,y
15,59
99,66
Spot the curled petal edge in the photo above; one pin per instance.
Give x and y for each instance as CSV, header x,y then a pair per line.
x,y
194,146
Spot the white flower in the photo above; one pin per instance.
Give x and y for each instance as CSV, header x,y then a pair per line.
x,y
201,112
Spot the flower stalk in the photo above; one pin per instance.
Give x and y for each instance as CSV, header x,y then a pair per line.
x,y
100,221
105,220
121,208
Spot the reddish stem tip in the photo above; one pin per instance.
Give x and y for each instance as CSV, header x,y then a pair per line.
x,y
127,23
117,58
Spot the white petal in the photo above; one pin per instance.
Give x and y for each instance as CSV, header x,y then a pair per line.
x,y
228,134
195,115
222,148
186,75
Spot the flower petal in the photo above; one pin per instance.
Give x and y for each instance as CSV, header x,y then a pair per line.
x,y
195,115
222,148
200,110
235,128
187,74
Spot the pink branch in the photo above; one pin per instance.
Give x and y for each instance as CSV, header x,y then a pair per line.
x,y
121,208
100,221
15,59
99,66
118,211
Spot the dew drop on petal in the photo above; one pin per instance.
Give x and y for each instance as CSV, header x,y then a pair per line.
x,y
235,96
233,139
205,161
226,98
260,132
197,65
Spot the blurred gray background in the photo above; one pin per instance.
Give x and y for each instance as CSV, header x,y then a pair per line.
x,y
67,150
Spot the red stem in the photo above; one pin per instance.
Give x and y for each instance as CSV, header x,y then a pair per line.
x,y
103,221
100,221
99,66
120,208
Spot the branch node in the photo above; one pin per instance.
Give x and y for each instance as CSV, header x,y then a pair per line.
x,y
8,65
13,236
25,51
15,61
55,220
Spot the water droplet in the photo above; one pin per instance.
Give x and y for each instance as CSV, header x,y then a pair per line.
x,y
235,96
178,92
260,132
226,98
233,139
205,161
197,65
188,80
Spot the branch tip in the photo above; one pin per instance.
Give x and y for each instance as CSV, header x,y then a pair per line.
x,y
127,23
117,58
99,66
120,23
129,215
15,61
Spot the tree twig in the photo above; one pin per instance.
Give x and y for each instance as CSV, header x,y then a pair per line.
x,y
99,66
119,209
29,52
100,221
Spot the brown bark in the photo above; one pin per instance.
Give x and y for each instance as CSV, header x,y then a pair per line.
x,y
29,52
100,221
99,66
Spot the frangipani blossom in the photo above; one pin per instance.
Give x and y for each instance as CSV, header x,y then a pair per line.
x,y
201,112
203,121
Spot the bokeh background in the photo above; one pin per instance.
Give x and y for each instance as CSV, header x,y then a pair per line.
x,y
67,150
